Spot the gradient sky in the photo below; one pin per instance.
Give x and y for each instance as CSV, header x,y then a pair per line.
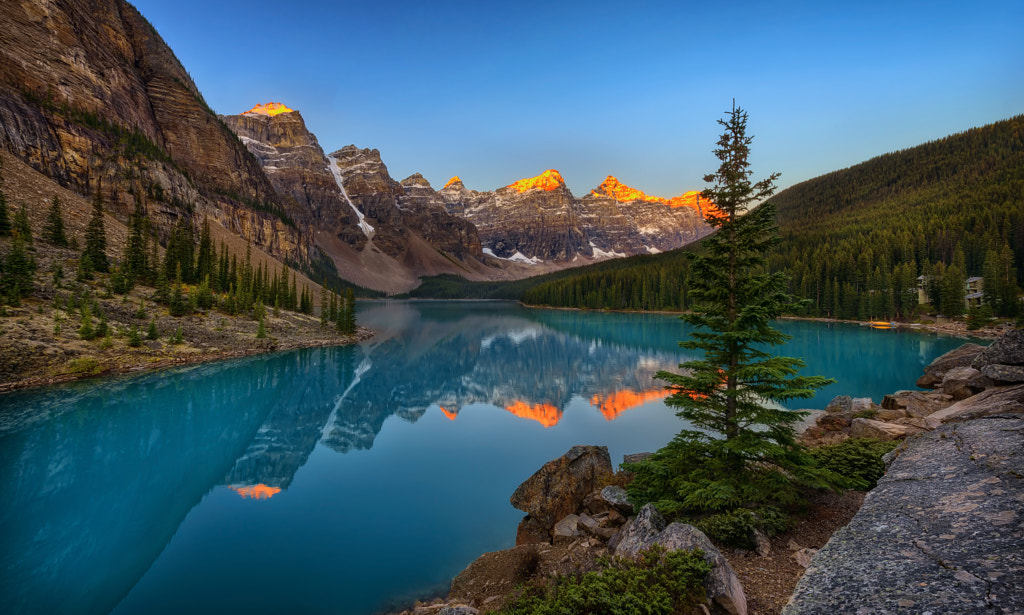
x,y
497,91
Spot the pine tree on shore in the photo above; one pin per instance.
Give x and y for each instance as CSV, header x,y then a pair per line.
x,y
741,452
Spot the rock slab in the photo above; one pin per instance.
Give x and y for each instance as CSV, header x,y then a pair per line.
x,y
560,486
942,532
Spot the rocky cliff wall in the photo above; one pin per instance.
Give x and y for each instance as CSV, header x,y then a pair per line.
x,y
90,95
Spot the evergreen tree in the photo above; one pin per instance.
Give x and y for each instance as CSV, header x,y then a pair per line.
x,y
151,332
19,270
96,236
741,452
22,226
349,324
136,266
205,257
5,216
54,232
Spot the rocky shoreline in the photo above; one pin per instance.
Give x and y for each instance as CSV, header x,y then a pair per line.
x,y
940,533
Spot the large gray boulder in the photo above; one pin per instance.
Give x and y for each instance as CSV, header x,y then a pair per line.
x,y
941,533
1007,350
648,529
880,430
958,357
963,382
560,486
997,400
1003,374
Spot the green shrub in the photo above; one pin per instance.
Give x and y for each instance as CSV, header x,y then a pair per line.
x,y
655,583
870,413
84,365
857,459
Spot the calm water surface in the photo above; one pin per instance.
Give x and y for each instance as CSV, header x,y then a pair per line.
x,y
344,480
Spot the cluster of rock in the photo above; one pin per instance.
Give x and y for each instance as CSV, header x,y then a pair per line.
x,y
574,517
942,531
967,382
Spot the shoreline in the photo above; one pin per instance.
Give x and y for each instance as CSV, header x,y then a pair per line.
x,y
957,329
153,363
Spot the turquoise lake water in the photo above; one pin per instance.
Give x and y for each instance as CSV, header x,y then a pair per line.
x,y
345,480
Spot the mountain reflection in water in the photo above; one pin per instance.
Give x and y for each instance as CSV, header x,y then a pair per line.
x,y
153,493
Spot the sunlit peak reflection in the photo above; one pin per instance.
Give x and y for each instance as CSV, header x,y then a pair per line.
x,y
545,414
255,492
450,414
614,404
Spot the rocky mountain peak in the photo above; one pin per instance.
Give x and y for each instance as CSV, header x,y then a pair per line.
x,y
271,109
612,187
454,183
548,180
416,180
694,201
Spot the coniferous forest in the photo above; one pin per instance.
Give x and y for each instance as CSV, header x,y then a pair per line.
x,y
857,243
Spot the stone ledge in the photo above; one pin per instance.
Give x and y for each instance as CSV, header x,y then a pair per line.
x,y
942,532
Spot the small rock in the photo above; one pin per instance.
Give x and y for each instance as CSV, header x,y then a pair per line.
x,y
963,382
458,610
868,428
891,415
840,404
639,531
794,545
618,499
763,546
566,530
804,557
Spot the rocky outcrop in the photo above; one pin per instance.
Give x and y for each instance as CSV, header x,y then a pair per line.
x,y
940,533
539,220
559,488
296,165
962,356
648,528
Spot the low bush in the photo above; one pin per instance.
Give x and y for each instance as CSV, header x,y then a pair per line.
x,y
857,459
655,583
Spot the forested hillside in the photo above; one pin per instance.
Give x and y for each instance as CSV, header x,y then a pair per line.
x,y
855,241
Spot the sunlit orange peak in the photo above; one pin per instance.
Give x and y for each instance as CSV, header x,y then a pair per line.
x,y
454,180
611,406
621,192
545,414
256,492
548,180
693,200
451,415
271,109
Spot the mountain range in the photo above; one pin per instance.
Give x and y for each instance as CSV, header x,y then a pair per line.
x,y
94,99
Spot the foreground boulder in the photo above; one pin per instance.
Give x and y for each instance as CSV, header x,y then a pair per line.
x,y
941,533
558,489
958,357
1007,350
648,529
994,401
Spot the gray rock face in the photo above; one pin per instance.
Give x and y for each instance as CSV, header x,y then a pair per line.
x,y
617,498
566,530
1003,374
648,529
958,357
916,404
997,400
962,382
879,430
560,486
840,404
639,532
941,533
1007,350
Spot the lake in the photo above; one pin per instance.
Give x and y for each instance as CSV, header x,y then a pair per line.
x,y
352,479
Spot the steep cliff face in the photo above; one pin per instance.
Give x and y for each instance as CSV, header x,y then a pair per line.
x,y
296,165
539,220
90,94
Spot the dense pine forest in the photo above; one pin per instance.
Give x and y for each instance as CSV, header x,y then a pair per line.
x,y
858,243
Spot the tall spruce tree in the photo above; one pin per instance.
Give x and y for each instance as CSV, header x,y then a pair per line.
x,y
96,236
54,232
5,216
740,452
136,265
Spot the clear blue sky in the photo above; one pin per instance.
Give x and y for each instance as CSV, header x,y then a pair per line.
x,y
497,91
